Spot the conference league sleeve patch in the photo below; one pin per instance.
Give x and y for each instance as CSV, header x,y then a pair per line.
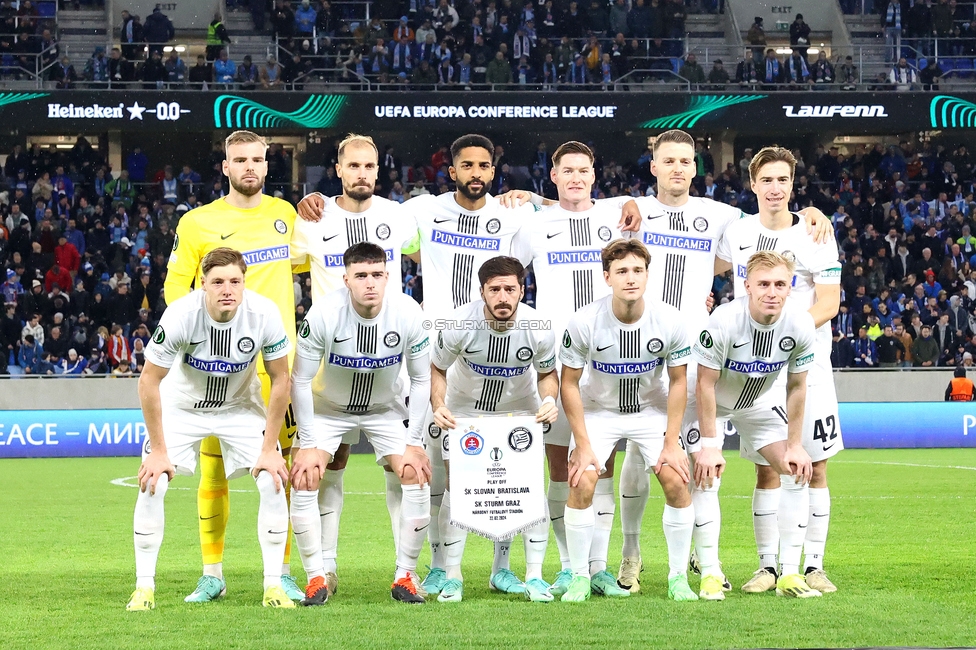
x,y
575,348
545,351
705,352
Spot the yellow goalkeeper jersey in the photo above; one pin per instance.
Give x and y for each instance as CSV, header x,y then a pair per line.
x,y
262,234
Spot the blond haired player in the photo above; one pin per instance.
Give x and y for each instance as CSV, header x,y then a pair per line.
x,y
200,381
741,354
260,227
816,287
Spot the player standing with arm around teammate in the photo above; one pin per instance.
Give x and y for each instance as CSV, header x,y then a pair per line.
x,y
625,341
259,226
563,242
682,233
199,381
740,354
351,218
351,348
485,363
816,287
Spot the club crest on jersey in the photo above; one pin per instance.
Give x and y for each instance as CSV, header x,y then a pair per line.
x,y
246,345
567,339
471,442
519,439
787,343
700,224
281,226
391,340
604,233
146,448
655,345
176,242
159,335
705,339
524,354
493,226
789,255
382,232
434,431
694,435
304,330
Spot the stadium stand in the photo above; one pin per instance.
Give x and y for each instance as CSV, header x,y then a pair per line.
x,y
903,213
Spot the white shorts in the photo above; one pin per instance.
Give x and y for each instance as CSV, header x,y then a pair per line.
x,y
758,426
821,422
384,430
690,429
558,433
240,432
606,428
435,440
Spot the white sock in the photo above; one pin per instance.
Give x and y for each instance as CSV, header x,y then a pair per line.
x,y
306,522
603,509
556,498
216,570
793,513
272,527
414,522
708,525
452,540
679,523
501,557
330,511
579,539
765,504
535,541
635,488
394,495
437,479
147,532
816,540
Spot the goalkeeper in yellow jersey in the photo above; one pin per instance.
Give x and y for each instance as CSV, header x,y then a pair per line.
x,y
260,227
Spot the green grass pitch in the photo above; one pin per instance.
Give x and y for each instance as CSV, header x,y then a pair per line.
x,y
900,550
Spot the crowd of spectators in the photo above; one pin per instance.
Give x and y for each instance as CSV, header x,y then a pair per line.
x,y
83,252
468,43
27,42
83,249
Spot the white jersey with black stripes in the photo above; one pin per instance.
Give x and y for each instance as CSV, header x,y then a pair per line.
x,y
213,366
750,355
493,371
323,242
361,358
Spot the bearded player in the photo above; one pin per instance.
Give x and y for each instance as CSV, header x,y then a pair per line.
x,y
349,219
260,227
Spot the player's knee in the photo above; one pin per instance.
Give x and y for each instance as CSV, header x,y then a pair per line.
x,y
409,476
675,490
819,479
581,496
558,460
790,483
266,484
767,477
340,458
